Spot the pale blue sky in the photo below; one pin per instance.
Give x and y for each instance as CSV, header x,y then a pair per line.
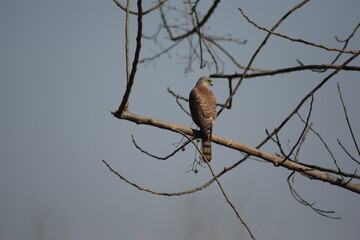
x,y
62,69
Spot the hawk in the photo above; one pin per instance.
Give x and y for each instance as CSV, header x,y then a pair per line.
x,y
202,103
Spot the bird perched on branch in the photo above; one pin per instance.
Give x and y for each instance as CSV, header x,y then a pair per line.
x,y
202,103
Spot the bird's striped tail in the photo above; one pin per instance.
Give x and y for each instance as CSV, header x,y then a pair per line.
x,y
206,150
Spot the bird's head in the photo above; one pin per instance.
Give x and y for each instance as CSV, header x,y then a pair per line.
x,y
205,81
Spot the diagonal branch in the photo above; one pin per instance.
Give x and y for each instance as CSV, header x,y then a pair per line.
x,y
296,40
258,50
347,120
304,170
220,186
276,130
346,42
303,132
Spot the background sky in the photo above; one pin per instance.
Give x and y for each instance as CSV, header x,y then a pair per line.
x,y
62,70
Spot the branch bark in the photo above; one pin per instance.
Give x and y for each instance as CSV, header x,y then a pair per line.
x,y
277,161
286,70
131,79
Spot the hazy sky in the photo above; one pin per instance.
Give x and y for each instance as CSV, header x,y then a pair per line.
x,y
62,70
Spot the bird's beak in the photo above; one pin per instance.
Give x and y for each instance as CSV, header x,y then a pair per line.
x,y
211,83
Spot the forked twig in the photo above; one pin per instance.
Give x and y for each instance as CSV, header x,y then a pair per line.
x,y
257,51
157,157
302,133
144,12
301,200
324,143
317,87
220,186
347,152
346,42
296,40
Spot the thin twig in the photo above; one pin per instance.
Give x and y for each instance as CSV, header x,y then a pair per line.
x,y
202,65
278,143
347,152
257,51
264,73
157,157
347,120
211,54
303,131
346,42
149,190
296,40
229,55
220,186
276,130
190,32
166,50
144,12
324,143
301,200
303,138
127,41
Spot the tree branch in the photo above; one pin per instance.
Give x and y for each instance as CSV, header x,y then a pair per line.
x,y
348,121
286,70
258,50
276,130
295,40
304,170
131,79
201,23
144,12
220,186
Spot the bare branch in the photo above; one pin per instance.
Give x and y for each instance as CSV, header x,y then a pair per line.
x,y
212,40
302,133
306,171
146,189
257,51
303,138
278,143
295,40
157,157
143,13
131,80
323,142
347,152
221,187
301,200
276,130
166,50
201,23
127,58
329,170
346,42
285,70
347,120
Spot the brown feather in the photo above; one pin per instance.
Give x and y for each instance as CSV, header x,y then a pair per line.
x,y
202,103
